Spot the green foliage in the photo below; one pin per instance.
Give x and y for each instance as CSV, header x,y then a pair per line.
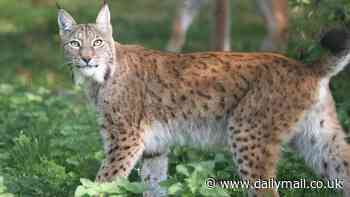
x,y
3,189
44,148
189,178
120,187
310,19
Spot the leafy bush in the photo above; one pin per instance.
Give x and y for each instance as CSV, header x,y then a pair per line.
x,y
120,187
3,189
189,178
44,148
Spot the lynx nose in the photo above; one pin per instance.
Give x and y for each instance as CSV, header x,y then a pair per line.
x,y
86,59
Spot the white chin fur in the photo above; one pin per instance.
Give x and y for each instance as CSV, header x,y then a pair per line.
x,y
95,73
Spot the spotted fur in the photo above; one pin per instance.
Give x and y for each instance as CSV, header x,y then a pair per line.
x,y
249,103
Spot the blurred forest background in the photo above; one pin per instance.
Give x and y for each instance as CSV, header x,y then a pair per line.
x,y
49,141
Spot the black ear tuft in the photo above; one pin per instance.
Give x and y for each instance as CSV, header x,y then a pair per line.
x,y
336,40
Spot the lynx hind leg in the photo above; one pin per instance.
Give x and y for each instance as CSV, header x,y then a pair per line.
x,y
255,152
256,131
154,170
322,143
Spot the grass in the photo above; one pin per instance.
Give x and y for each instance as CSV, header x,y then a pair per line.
x,y
49,138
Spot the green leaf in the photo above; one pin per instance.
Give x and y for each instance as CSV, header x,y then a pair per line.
x,y
175,189
218,192
167,183
108,188
33,97
3,189
7,195
80,191
182,169
135,188
87,182
6,89
220,157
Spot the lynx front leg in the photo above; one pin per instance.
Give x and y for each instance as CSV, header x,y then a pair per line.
x,y
123,148
154,170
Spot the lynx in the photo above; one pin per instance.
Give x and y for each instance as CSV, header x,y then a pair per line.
x,y
249,103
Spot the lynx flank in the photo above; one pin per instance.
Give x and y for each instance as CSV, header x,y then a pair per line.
x,y
247,102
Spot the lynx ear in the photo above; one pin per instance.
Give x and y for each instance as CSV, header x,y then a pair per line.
x,y
65,21
103,20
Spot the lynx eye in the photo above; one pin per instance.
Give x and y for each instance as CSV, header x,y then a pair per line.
x,y
98,43
74,43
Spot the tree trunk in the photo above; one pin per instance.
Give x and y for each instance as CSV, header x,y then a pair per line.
x,y
222,25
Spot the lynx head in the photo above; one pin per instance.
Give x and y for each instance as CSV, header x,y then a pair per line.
x,y
89,48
